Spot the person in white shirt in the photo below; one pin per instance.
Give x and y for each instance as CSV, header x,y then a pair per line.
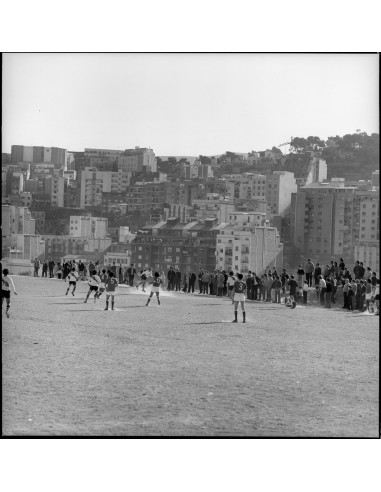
x,y
93,282
72,277
6,284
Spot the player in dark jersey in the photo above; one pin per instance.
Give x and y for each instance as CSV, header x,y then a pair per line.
x,y
239,290
102,286
111,283
155,287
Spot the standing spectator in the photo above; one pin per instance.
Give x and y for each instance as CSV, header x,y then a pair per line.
x,y
45,269
345,293
363,294
36,267
185,282
113,269
256,282
220,283
277,287
362,270
322,289
300,273
350,296
120,273
328,293
342,265
377,297
358,295
178,280
59,271
249,285
353,297
347,275
374,279
81,270
131,274
334,289
326,272
171,275
205,282
231,280
292,283
91,266
368,294
213,283
200,283
225,291
317,273
192,281
368,273
305,292
51,265
309,269
269,283
357,270
284,278
332,268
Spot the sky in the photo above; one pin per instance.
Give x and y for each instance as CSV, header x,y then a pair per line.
x,y
185,104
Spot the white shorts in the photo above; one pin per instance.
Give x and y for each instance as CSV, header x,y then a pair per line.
x,y
368,297
239,297
155,289
111,293
102,285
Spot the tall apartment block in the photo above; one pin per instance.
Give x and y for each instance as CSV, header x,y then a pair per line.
x,y
247,246
94,183
328,220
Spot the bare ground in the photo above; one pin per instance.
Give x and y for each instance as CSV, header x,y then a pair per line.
x,y
183,369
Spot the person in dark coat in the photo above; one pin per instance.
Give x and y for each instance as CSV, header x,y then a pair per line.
x,y
192,281
178,281
171,278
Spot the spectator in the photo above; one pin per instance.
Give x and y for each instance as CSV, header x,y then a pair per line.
x,y
300,273
317,273
309,269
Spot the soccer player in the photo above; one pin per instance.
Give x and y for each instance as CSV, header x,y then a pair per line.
x,y
73,277
239,289
6,284
102,285
111,283
155,288
145,275
94,281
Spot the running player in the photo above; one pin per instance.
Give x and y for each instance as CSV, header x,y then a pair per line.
x,y
145,275
72,277
102,285
94,281
111,283
239,289
155,287
6,284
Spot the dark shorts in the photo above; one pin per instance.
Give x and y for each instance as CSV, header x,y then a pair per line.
x,y
144,277
71,282
377,297
93,287
6,294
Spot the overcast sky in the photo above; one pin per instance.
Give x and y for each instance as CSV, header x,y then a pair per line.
x,y
185,104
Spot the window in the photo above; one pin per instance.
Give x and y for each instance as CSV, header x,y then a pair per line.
x,y
236,258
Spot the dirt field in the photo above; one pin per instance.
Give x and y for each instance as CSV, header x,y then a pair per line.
x,y
182,368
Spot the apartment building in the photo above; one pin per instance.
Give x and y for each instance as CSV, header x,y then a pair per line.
x,y
137,160
329,219
246,186
94,183
145,196
187,247
279,187
54,155
96,157
16,220
245,247
59,246
87,226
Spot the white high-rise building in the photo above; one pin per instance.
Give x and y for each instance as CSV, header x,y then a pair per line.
x,y
86,226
